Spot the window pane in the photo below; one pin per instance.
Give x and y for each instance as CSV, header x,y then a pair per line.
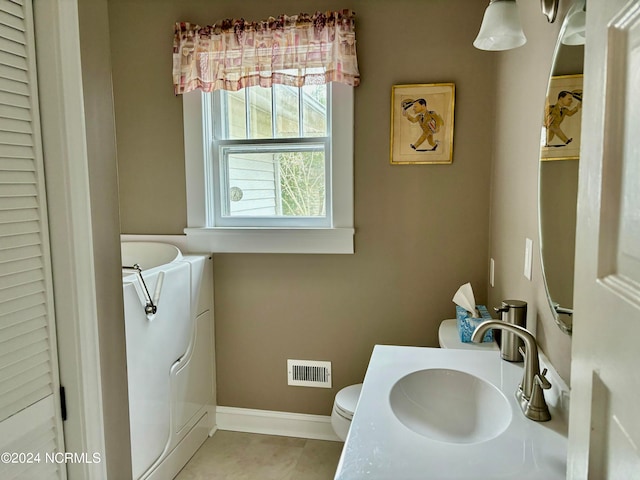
x,y
275,183
302,183
236,115
286,101
252,185
287,111
260,113
314,110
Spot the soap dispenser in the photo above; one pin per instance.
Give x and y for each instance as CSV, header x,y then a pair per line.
x,y
515,313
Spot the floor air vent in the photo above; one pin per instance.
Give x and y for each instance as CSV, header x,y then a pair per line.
x,y
309,373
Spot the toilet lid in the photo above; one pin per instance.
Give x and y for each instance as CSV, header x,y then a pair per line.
x,y
347,399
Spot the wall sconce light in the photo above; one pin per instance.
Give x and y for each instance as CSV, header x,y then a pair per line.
x,y
501,28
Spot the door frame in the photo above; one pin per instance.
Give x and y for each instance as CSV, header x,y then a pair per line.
x,y
71,235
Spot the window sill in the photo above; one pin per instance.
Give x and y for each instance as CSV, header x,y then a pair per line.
x,y
271,240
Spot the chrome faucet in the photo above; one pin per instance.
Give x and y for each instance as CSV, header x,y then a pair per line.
x,y
529,393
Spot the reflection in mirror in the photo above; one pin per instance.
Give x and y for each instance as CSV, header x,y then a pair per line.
x,y
559,159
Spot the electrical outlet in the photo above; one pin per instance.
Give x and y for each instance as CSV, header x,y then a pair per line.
x,y
528,258
492,272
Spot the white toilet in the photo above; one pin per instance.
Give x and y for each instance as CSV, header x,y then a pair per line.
x,y
347,399
343,407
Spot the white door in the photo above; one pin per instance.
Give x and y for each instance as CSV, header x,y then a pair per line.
x,y
30,418
604,430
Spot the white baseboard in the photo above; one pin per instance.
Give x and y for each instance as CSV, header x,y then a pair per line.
x,y
268,422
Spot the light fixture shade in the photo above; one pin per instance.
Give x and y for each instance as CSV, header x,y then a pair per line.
x,y
575,31
500,29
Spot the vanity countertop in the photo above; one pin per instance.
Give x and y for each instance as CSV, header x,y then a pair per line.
x,y
380,447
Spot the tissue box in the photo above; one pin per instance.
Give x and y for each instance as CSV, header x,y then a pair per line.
x,y
467,324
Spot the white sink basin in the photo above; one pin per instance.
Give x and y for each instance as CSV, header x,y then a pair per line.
x,y
450,406
452,415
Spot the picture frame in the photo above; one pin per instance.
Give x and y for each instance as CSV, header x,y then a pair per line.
x,y
422,123
562,122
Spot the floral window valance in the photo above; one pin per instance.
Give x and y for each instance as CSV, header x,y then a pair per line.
x,y
293,50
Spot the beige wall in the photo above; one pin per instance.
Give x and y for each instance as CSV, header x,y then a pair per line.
x,y
521,87
422,230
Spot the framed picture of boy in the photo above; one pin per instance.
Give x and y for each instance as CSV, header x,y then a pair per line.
x,y
422,123
560,139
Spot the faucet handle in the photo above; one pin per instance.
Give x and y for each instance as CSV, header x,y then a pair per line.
x,y
541,380
535,407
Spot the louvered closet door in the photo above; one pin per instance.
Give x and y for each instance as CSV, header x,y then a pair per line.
x,y
30,424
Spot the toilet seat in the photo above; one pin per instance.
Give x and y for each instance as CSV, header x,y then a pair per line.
x,y
344,406
347,400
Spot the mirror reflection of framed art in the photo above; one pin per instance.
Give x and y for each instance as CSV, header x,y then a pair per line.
x,y
560,139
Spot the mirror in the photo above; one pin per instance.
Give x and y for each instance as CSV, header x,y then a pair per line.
x,y
559,160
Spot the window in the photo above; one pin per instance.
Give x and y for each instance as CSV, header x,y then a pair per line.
x,y
270,169
271,154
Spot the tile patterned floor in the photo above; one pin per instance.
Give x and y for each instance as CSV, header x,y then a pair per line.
x,y
248,456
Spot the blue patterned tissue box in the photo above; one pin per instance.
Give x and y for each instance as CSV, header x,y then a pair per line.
x,y
467,324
